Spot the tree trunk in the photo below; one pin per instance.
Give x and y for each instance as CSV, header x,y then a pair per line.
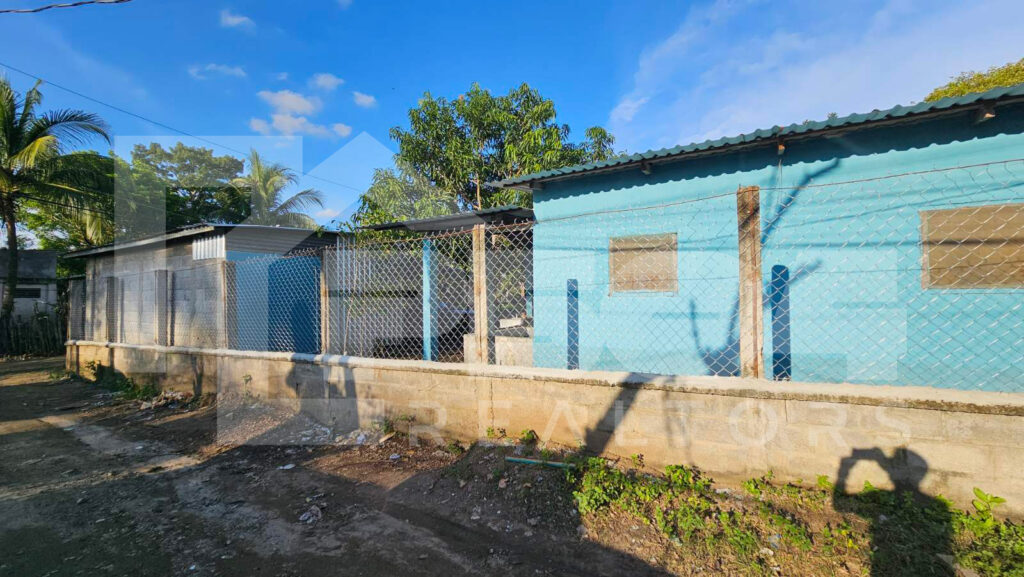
x,y
7,310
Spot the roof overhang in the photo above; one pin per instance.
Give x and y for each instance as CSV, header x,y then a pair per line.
x,y
460,221
983,104
184,232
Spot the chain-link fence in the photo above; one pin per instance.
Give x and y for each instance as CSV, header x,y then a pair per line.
x,y
913,278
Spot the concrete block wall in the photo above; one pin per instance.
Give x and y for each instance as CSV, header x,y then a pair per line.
x,y
942,441
194,302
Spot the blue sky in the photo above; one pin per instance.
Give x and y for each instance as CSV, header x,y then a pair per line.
x,y
324,80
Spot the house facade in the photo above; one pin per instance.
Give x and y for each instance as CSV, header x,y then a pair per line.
x,y
36,291
891,251
207,285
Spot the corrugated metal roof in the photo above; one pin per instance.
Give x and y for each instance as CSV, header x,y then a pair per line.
x,y
460,221
188,231
770,134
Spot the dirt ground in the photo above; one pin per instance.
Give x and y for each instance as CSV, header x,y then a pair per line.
x,y
94,485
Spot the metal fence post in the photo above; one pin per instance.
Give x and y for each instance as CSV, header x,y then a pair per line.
x,y
227,316
428,333
751,322
480,293
325,306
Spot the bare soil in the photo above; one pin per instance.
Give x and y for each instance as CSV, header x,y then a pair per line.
x,y
91,484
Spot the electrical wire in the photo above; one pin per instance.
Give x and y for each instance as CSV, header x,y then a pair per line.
x,y
161,124
64,5
63,205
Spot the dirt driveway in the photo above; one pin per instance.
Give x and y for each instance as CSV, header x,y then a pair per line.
x,y
92,485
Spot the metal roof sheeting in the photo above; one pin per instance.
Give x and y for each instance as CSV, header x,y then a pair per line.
x,y
769,134
460,221
191,230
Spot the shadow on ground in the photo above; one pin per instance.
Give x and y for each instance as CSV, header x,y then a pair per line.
x,y
77,502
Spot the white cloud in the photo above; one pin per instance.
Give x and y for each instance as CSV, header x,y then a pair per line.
x,y
282,76
289,125
342,130
325,81
289,102
259,125
729,68
327,213
229,19
201,72
344,4
627,108
364,100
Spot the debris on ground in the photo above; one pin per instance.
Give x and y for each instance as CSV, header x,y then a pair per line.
x,y
312,515
169,399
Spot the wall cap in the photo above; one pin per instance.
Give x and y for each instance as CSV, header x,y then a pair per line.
x,y
912,397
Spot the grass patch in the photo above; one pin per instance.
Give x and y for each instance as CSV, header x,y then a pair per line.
x,y
787,529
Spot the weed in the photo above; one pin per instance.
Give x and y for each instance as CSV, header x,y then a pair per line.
x,y
905,534
528,437
743,541
546,454
791,531
454,448
60,375
638,460
128,387
384,426
824,483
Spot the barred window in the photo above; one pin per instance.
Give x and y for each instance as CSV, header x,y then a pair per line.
x,y
973,247
643,263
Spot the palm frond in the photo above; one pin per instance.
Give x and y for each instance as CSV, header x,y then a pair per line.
x,y
32,99
76,178
39,150
301,201
71,127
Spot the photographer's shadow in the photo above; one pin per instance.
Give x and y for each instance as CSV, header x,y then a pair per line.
x,y
911,533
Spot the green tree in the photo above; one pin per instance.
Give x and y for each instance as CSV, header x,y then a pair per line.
x,y
196,183
459,146
37,168
973,81
264,185
401,194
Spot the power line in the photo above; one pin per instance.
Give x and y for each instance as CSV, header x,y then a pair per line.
x,y
65,5
161,124
67,206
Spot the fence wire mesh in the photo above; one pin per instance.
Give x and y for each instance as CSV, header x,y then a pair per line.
x,y
914,278
273,303
910,279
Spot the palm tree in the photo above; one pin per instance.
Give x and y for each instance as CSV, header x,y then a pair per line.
x,y
37,168
264,185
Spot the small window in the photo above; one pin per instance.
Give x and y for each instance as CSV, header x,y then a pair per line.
x,y
973,247
27,292
644,263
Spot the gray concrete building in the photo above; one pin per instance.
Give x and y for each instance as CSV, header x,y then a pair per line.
x,y
174,288
36,290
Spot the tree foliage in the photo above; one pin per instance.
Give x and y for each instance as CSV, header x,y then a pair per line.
x,y
460,145
38,168
973,81
196,183
401,194
264,186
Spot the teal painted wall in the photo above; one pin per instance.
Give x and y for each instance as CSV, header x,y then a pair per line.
x,y
857,311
